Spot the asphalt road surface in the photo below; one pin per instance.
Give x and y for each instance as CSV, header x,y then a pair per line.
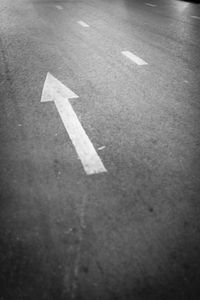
x,y
99,150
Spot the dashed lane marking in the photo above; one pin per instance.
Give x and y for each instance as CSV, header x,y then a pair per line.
x,y
83,24
195,17
150,4
59,7
134,58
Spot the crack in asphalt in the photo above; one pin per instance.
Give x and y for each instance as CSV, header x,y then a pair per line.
x,y
82,227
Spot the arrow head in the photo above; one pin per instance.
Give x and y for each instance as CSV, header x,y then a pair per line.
x,y
53,87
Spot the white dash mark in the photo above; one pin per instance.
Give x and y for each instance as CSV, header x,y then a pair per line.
x,y
59,7
150,4
101,148
134,58
83,24
195,17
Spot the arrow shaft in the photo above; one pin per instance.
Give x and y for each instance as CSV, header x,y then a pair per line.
x,y
90,159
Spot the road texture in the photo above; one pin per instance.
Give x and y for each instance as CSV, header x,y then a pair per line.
x,y
132,232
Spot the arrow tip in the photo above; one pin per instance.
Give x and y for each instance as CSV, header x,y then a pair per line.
x,y
53,86
47,90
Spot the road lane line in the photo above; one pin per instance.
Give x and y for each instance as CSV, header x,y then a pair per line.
x,y
54,90
83,24
195,17
134,58
59,7
150,4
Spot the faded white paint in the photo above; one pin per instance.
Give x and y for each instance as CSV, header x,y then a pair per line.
x,y
134,58
59,7
83,24
195,17
150,4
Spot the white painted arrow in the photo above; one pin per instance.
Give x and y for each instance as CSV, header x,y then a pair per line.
x,y
54,90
